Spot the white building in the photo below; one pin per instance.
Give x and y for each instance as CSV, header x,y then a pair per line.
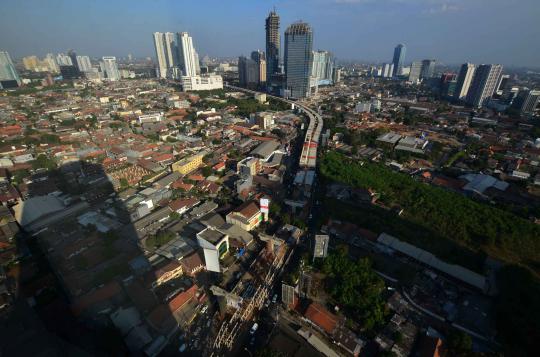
x,y
215,245
84,64
7,69
388,70
64,60
362,107
51,63
110,68
208,82
186,54
150,118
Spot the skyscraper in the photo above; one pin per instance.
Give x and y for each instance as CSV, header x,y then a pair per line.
x,y
484,84
428,69
63,60
73,56
84,64
165,45
298,59
51,63
414,74
110,67
248,73
272,44
161,56
399,58
387,70
260,59
322,67
186,54
8,74
464,79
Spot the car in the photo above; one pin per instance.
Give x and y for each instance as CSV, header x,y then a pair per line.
x,y
182,348
203,310
274,298
254,328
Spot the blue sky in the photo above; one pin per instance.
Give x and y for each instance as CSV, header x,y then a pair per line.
x,y
452,31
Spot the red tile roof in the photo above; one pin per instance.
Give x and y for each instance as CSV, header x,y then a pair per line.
x,y
321,317
182,298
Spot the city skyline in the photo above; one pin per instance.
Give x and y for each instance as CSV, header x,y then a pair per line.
x,y
459,34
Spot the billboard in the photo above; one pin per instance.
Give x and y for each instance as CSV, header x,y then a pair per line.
x,y
265,205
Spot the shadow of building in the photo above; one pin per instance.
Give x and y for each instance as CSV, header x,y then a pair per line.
x,y
86,273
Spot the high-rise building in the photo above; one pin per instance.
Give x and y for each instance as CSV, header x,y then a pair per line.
x,y
322,68
387,70
63,60
298,59
161,55
260,59
428,69
186,54
84,64
464,79
248,73
503,81
51,63
30,63
526,101
416,70
484,84
166,46
272,45
73,56
399,58
9,77
110,68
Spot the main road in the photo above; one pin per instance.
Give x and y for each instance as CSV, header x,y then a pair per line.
x,y
308,158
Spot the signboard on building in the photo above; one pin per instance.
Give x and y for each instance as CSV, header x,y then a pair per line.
x,y
321,246
265,205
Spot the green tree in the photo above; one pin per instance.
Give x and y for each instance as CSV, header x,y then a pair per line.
x,y
459,343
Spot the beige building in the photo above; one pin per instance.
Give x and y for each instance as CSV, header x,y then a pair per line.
x,y
188,164
248,216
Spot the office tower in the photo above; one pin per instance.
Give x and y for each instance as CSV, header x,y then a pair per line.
x,y
298,59
447,84
483,84
248,73
186,54
130,57
526,101
388,70
322,67
503,81
272,45
73,56
428,69
464,79
110,68
84,64
30,63
9,77
51,63
63,60
414,74
399,58
69,72
260,59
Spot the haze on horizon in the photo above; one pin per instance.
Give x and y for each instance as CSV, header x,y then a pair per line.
x,y
451,31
